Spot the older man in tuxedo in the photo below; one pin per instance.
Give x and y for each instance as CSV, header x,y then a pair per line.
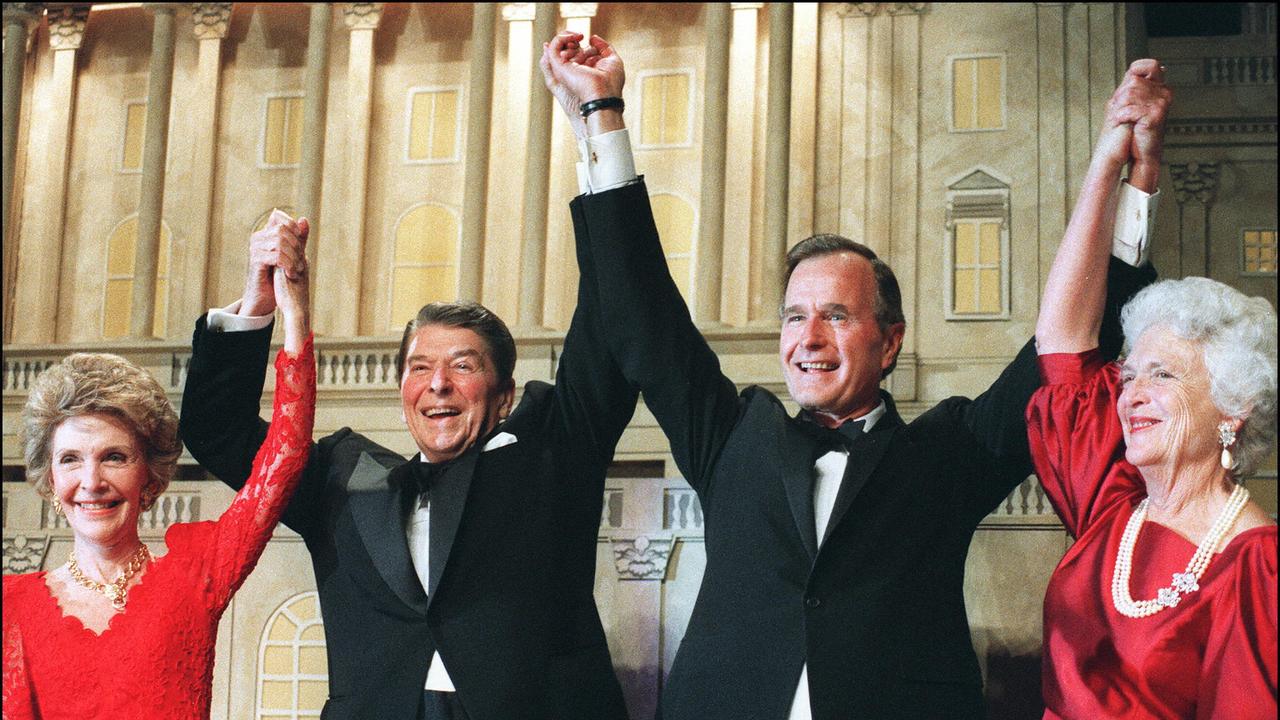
x,y
835,539
457,584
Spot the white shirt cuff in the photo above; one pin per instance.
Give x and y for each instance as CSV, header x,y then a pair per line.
x,y
1135,220
227,320
607,162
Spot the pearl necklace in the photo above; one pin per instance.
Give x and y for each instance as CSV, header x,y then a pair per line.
x,y
117,590
1184,582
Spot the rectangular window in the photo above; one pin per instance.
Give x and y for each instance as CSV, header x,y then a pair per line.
x,y
282,131
135,125
666,104
1259,252
977,93
976,285
433,125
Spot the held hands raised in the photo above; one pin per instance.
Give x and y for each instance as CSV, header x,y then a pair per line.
x,y
577,73
278,260
1134,127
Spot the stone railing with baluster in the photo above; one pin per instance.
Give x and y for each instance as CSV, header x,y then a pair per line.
x,y
1255,70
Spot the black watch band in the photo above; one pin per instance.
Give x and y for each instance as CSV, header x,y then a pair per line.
x,y
591,106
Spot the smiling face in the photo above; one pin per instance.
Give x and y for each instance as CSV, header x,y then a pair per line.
x,y
1165,407
833,350
450,393
98,471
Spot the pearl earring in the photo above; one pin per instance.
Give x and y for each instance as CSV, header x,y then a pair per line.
x,y
1227,438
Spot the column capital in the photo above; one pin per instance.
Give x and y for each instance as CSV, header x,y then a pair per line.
x,y
1196,181
863,9
361,16
210,20
22,12
66,26
512,12
578,10
745,6
160,7
917,8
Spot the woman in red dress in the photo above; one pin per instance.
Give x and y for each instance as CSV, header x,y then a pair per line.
x,y
116,632
1165,606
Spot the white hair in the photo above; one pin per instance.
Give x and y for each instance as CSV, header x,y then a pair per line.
x,y
1237,334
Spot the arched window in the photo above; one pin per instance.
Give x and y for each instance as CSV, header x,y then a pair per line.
x,y
675,220
977,242
118,300
425,265
293,673
666,100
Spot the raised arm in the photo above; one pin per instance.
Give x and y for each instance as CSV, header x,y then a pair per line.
x,y
1075,292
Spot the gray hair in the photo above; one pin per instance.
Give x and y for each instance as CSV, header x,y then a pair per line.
x,y
474,317
88,383
1237,334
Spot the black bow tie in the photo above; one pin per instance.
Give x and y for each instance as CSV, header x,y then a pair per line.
x,y
828,439
426,474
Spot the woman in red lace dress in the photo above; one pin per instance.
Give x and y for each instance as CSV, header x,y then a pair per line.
x,y
117,632
1165,606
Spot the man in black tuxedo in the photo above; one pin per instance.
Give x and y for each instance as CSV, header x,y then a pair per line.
x,y
836,539
457,584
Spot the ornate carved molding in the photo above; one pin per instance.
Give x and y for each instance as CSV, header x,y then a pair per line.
x,y
512,12
361,16
66,26
906,8
872,9
1221,126
642,558
24,553
210,20
1194,181
578,10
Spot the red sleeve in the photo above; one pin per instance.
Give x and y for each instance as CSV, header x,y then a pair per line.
x,y
242,533
1077,445
1238,680
16,689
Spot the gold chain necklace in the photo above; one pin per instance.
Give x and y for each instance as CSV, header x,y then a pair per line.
x,y
117,590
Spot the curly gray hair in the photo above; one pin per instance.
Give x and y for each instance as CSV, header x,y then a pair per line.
x,y
85,383
1238,336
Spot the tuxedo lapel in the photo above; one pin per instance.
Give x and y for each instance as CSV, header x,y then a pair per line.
x,y
378,514
864,457
448,499
795,451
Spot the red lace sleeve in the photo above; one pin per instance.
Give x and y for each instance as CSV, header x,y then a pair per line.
x,y
16,688
241,534
1238,679
1077,445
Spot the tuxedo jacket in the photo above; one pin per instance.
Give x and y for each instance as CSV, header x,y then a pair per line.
x,y
513,541
877,608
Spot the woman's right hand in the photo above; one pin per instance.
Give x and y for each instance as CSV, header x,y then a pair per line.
x,y
292,291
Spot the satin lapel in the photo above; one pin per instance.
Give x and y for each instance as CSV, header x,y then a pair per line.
x,y
378,516
795,451
448,500
863,460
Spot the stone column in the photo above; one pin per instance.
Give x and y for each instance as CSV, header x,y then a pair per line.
x,y
777,154
40,261
475,183
741,229
715,117
17,18
209,26
151,197
314,104
577,17
1195,187
361,19
533,236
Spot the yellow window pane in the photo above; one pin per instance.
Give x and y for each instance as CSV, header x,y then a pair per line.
x,y
674,219
989,93
312,694
989,290
315,632
277,660
120,248
273,137
680,273
444,128
990,237
277,695
651,110
966,243
427,234
293,130
134,130
1251,237
282,629
1252,252
305,608
420,116
962,94
115,313
312,661
965,299
676,109
415,287
1268,253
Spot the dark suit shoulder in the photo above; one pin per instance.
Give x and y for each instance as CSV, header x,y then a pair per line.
x,y
342,450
